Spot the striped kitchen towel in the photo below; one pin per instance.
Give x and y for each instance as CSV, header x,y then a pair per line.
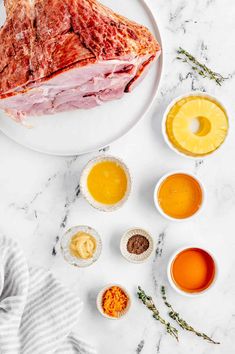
x,y
37,313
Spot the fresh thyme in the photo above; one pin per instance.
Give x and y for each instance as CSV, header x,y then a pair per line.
x,y
182,323
148,302
198,67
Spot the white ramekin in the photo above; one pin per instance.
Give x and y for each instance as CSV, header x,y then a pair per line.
x,y
171,281
100,298
155,196
84,189
136,258
65,246
172,103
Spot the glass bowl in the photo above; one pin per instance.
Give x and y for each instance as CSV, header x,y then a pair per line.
x,y
65,246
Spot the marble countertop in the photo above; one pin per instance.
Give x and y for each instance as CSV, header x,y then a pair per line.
x,y
40,199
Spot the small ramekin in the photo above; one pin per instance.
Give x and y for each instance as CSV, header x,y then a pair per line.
x,y
171,281
136,258
162,179
99,300
169,107
87,195
65,243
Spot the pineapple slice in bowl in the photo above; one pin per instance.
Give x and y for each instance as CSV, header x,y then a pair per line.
x,y
195,125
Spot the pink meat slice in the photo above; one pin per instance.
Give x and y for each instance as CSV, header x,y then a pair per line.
x,y
61,55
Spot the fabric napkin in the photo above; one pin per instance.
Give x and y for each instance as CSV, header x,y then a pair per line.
x,y
37,313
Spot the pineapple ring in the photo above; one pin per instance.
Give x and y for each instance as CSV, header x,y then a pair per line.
x,y
213,125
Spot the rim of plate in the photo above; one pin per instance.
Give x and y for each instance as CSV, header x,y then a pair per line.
x,y
87,195
167,110
171,260
162,179
100,297
156,23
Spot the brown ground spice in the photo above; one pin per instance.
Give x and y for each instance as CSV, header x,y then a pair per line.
x,y
137,244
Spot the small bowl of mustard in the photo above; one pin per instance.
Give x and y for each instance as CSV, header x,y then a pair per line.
x,y
137,245
81,246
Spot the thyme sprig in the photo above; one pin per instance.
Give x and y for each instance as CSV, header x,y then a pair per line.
x,y
182,323
198,67
148,302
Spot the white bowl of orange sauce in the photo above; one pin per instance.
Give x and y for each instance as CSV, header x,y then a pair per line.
x,y
192,270
179,195
106,182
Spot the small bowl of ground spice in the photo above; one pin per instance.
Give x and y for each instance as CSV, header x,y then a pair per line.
x,y
136,245
113,301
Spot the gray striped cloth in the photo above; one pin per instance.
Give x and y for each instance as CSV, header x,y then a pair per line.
x,y
37,313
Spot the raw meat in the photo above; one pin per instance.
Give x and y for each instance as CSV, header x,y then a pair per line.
x,y
60,55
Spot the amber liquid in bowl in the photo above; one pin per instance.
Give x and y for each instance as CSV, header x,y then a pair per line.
x,y
193,270
180,196
107,182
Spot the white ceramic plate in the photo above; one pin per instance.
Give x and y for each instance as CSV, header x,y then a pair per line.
x,y
81,131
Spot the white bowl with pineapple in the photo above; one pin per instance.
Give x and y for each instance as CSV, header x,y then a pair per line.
x,y
195,124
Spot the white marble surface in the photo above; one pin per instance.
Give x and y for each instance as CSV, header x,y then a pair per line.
x,y
39,200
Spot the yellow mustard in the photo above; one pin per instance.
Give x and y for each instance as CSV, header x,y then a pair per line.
x,y
83,245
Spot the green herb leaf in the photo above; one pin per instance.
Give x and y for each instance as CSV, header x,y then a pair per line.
x,y
199,68
148,302
181,322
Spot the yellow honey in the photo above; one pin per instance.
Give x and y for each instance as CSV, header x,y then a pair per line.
x,y
180,196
